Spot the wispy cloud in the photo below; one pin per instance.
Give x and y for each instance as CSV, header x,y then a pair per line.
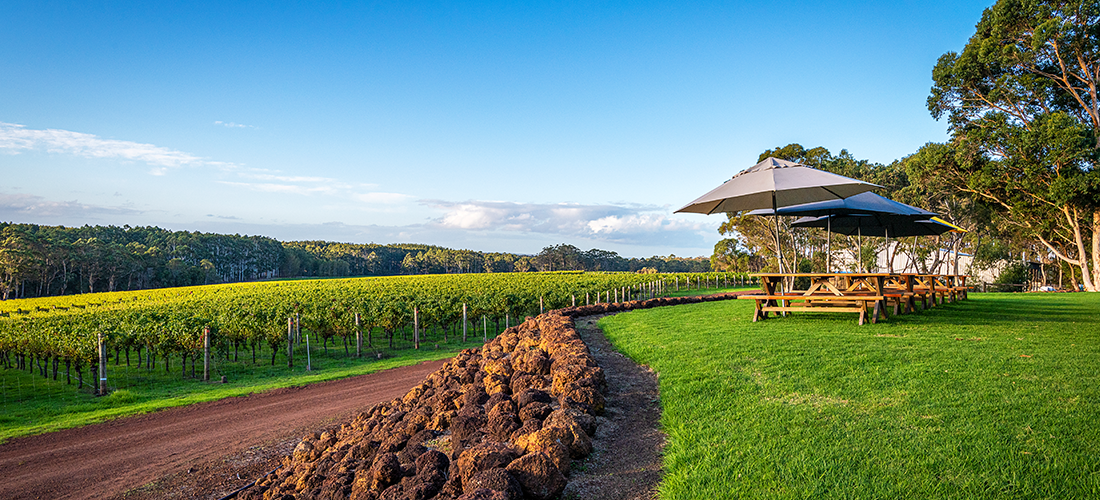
x,y
382,198
271,187
23,206
287,178
313,185
232,125
15,139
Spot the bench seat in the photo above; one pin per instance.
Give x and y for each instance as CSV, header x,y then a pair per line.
x,y
825,303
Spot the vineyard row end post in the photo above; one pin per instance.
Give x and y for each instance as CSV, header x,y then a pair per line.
x,y
358,338
206,354
464,322
416,328
102,389
290,342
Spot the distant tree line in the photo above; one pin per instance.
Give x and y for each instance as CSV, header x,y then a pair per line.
x,y
37,261
321,258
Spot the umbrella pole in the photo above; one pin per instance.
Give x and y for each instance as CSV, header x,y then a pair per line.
x,y
889,263
859,243
829,245
778,248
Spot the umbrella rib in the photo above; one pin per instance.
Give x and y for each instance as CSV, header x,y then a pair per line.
x,y
834,193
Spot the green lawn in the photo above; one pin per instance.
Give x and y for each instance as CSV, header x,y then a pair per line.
x,y
31,404
994,397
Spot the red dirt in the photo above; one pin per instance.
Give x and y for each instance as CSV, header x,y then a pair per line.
x,y
109,459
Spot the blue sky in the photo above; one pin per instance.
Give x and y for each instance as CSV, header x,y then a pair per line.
x,y
492,126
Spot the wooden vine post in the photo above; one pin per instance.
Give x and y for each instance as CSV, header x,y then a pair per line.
x,y
309,363
416,328
102,389
463,322
541,309
290,342
358,338
206,354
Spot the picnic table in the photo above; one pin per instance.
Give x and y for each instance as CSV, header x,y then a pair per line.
x,y
854,292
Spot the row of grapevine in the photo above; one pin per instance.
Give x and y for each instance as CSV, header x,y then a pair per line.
x,y
169,321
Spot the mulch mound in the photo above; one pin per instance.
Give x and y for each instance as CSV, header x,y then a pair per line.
x,y
505,421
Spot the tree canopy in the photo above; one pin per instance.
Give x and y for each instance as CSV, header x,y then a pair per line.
x,y
1022,104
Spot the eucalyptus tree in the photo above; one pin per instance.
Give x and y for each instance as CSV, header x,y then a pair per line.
x,y
1022,105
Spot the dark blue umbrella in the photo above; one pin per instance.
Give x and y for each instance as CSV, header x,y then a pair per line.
x,y
886,225
871,225
862,203
883,210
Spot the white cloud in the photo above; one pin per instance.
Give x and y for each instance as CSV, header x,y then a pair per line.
x,y
382,198
287,178
619,223
23,206
268,187
16,139
232,125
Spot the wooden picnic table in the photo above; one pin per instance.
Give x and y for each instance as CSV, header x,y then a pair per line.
x,y
854,292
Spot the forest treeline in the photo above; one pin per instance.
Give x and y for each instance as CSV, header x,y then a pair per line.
x,y
38,261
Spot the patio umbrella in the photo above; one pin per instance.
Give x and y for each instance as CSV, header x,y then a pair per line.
x,y
775,183
866,203
885,225
871,225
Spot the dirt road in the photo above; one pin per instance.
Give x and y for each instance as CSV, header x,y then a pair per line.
x,y
108,459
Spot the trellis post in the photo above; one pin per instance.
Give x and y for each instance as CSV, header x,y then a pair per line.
x,y
206,354
290,342
358,338
102,390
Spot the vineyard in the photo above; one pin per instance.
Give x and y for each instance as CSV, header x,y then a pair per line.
x,y
75,334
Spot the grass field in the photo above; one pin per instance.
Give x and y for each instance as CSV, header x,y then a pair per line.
x,y
31,404
994,397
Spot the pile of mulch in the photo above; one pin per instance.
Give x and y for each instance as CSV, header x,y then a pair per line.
x,y
503,422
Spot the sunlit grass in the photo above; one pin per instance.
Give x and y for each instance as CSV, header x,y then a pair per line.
x,y
994,397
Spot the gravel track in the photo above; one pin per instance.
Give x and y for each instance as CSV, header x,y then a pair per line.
x,y
109,459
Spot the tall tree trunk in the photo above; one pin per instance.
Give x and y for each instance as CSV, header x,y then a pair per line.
x,y
1096,246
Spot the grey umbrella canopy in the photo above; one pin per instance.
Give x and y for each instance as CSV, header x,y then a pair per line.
x,y
775,183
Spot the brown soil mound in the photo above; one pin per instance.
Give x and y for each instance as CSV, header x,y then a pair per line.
x,y
502,422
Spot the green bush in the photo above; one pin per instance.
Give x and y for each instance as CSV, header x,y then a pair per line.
x,y
1012,278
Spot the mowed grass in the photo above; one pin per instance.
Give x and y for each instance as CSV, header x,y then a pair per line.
x,y
994,397
31,404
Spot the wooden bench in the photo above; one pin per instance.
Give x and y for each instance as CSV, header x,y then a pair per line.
x,y
898,298
824,303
